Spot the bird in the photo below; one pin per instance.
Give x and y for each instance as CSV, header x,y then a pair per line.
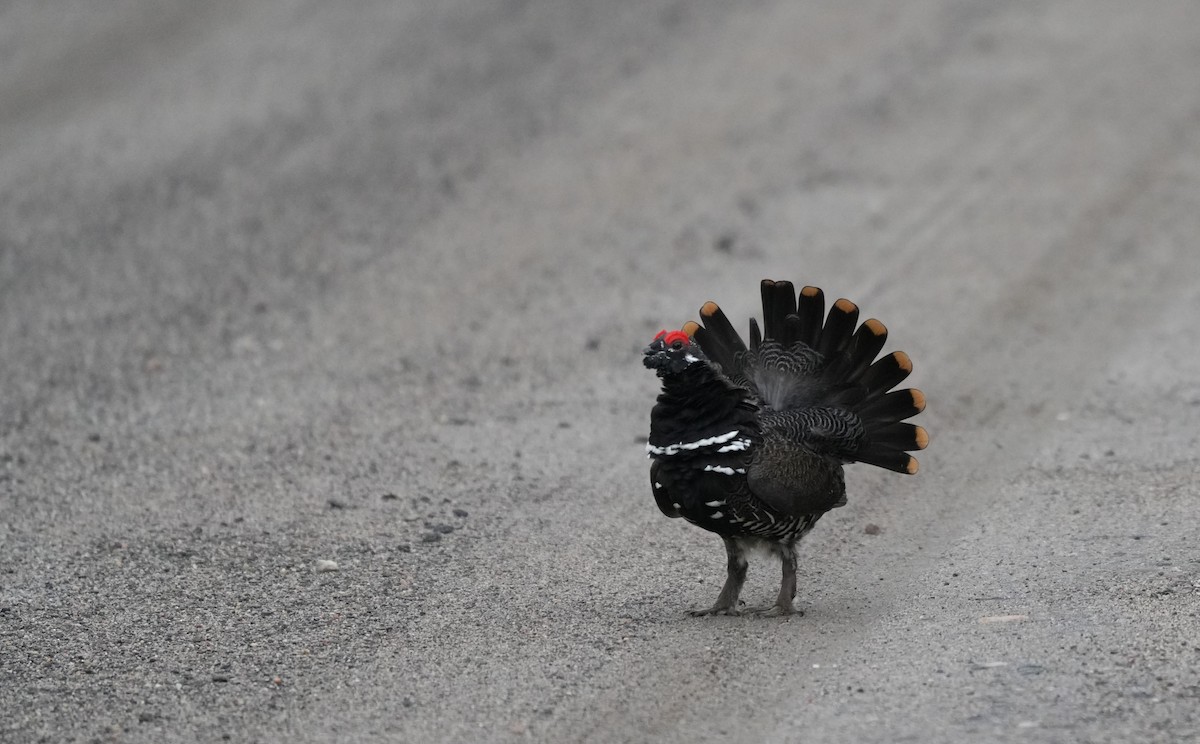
x,y
749,442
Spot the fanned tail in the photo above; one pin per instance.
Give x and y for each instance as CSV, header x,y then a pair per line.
x,y
779,366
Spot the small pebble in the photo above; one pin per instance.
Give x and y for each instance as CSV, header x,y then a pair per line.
x,y
872,529
431,537
389,497
335,504
324,566
460,513
445,529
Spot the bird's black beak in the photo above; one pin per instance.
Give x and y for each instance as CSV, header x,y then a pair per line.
x,y
654,357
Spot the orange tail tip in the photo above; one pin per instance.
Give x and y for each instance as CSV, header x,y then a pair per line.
x,y
918,399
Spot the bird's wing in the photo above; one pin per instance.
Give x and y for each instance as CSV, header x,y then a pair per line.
x,y
797,467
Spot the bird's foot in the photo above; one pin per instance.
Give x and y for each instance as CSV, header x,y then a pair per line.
x,y
717,609
776,610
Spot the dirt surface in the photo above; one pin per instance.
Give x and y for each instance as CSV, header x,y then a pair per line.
x,y
288,282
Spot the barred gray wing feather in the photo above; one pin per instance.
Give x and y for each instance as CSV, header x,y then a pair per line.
x,y
784,377
835,432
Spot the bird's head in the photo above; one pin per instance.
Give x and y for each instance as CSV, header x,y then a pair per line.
x,y
671,352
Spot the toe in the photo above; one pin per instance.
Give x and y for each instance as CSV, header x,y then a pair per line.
x,y
776,610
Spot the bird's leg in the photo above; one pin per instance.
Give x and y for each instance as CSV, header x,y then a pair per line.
x,y
727,600
787,588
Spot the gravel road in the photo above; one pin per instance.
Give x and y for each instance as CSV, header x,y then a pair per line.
x,y
292,281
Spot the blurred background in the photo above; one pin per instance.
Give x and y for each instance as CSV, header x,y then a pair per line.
x,y
289,281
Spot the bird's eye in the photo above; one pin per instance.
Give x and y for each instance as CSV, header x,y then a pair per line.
x,y
677,345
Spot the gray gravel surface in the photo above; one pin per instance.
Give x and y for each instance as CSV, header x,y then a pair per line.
x,y
293,281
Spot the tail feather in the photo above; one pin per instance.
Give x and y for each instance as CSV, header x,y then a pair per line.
x,y
886,373
716,322
892,407
779,301
810,308
886,457
901,435
793,331
717,337
839,326
712,348
868,341
755,335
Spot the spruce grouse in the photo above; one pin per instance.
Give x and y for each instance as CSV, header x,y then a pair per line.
x,y
749,443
